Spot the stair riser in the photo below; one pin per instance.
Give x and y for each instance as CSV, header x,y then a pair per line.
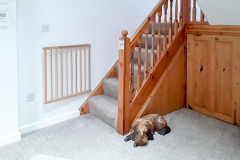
x,y
110,87
105,108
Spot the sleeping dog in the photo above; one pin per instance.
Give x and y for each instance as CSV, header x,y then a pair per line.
x,y
143,129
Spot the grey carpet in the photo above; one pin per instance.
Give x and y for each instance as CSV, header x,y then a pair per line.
x,y
194,136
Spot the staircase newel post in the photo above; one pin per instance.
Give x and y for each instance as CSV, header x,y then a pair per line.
x,y
123,84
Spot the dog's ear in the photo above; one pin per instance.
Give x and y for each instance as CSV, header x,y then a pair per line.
x,y
149,134
134,133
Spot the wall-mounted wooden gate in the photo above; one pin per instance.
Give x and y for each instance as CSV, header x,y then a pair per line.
x,y
213,75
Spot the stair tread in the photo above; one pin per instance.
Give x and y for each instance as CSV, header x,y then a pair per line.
x,y
105,108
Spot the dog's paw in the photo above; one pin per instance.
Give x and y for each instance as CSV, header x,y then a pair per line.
x,y
164,131
126,139
135,145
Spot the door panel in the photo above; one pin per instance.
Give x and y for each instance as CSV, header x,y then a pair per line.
x,y
223,78
198,75
209,75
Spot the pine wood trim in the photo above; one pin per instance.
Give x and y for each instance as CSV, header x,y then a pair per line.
x,y
72,46
198,28
84,109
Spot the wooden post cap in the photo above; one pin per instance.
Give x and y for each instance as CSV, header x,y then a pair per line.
x,y
124,33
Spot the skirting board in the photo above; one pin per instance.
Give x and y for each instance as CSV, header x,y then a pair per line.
x,y
48,122
10,139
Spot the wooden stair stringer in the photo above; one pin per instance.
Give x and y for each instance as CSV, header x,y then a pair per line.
x,y
84,109
155,75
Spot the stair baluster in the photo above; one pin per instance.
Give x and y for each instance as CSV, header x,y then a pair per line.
x,y
181,15
153,35
146,54
165,27
139,77
170,24
176,19
159,47
132,89
202,16
194,11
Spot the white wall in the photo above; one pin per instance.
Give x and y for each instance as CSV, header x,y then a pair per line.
x,y
97,22
9,80
221,12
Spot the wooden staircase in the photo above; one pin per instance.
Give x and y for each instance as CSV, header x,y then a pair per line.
x,y
124,90
152,51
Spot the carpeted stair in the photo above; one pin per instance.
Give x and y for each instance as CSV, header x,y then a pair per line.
x,y
105,106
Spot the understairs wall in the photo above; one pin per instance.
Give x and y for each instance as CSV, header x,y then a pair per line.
x,y
170,94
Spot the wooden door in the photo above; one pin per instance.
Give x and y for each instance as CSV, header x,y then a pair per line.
x,y
210,75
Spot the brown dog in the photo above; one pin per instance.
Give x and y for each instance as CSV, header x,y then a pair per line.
x,y
143,129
